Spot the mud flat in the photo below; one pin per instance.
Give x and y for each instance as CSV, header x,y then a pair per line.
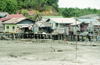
x,y
49,53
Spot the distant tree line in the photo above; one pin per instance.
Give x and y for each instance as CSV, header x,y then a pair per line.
x,y
72,12
11,6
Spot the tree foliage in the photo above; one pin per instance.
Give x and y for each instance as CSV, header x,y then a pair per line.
x,y
71,12
11,6
37,16
24,12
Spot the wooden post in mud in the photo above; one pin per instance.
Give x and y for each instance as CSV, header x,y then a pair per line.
x,y
40,36
76,34
61,36
64,34
34,35
44,36
58,36
13,36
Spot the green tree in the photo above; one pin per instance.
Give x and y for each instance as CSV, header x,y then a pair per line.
x,y
10,6
24,12
68,12
36,17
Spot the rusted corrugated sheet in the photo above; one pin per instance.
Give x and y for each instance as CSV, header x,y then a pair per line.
x,y
13,20
4,19
15,16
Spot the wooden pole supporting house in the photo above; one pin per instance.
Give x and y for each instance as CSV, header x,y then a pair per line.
x,y
58,36
44,36
67,37
98,36
16,36
37,37
34,35
26,35
40,36
23,36
61,36
71,38
49,36
13,36
31,36
64,34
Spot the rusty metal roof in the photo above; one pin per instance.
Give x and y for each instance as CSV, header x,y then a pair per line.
x,y
13,20
4,19
15,16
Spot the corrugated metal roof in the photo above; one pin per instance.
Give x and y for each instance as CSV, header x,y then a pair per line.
x,y
1,24
12,16
43,24
4,19
63,20
89,16
14,20
2,14
52,16
15,16
87,20
96,23
76,23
